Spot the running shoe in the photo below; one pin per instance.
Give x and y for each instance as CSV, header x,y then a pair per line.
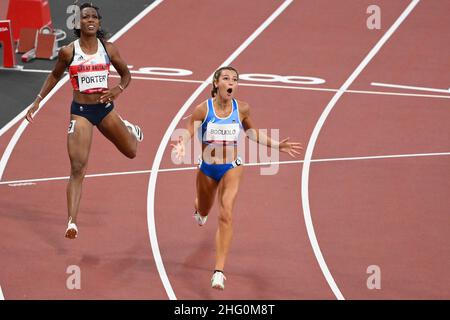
x,y
137,132
218,280
201,220
72,230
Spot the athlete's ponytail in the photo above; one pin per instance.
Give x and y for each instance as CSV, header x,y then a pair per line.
x,y
217,76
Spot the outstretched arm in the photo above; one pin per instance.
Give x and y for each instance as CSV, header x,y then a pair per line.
x,y
192,126
64,56
254,134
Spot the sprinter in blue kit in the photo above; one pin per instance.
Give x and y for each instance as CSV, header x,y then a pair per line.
x,y
219,121
220,131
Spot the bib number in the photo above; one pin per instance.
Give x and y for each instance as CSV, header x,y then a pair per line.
x,y
71,126
222,132
92,80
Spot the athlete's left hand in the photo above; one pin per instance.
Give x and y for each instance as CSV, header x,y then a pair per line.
x,y
291,148
110,95
179,149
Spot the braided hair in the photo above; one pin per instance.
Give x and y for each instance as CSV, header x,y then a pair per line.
x,y
217,76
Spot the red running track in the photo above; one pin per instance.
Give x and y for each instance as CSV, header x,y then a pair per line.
x,y
388,212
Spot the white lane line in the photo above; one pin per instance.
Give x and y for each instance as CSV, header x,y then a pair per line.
x,y
160,79
11,123
386,93
15,138
97,175
398,86
135,20
166,138
19,131
36,71
244,84
347,91
116,36
22,184
379,84
392,156
2,297
250,164
312,143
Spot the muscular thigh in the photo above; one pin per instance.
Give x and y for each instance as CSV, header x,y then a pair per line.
x,y
113,128
206,191
229,187
79,139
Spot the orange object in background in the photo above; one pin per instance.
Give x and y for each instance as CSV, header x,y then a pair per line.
x,y
46,46
33,14
3,8
27,40
8,48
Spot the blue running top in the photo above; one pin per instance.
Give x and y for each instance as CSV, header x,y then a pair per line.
x,y
222,131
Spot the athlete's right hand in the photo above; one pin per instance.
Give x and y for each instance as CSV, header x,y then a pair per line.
x,y
32,109
179,149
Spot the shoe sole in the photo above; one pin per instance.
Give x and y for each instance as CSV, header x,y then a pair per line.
x,y
137,129
199,222
218,287
71,234
141,135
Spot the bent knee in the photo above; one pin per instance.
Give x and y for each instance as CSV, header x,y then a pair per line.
x,y
131,153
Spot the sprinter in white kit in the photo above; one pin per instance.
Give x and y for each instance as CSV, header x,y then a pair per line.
x,y
88,60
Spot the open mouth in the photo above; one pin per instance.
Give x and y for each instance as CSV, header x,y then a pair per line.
x,y
91,27
230,90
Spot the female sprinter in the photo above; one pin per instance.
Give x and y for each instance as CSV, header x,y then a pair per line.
x,y
220,119
88,60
